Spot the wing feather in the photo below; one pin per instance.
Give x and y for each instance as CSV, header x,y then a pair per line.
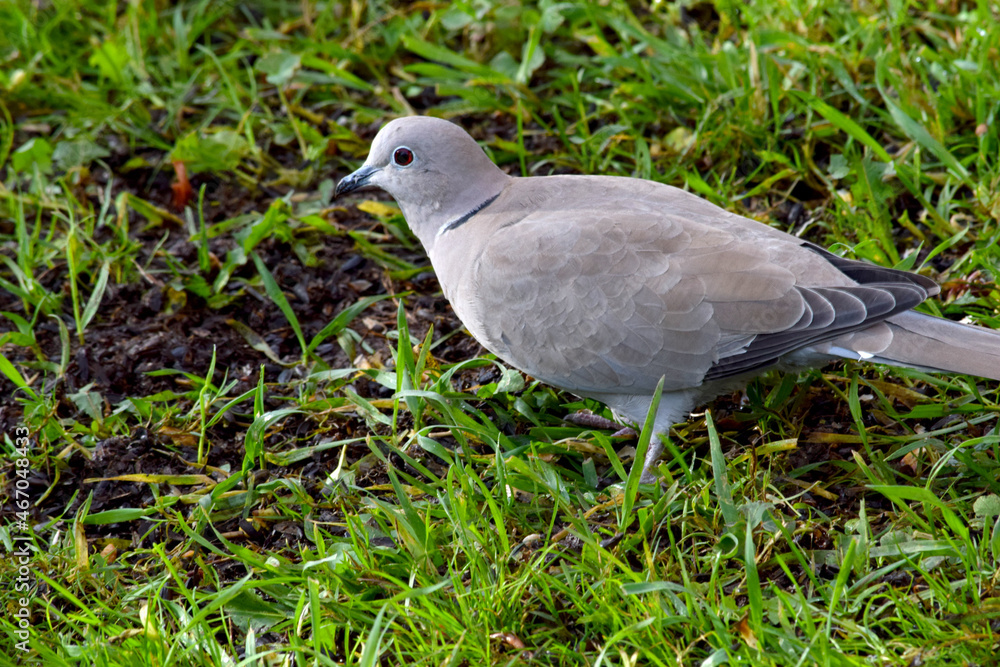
x,y
608,299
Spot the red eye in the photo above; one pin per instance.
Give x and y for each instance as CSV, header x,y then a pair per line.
x,y
402,156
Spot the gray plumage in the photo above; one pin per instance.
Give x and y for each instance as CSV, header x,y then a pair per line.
x,y
602,285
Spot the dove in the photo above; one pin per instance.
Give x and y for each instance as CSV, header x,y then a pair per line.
x,y
603,285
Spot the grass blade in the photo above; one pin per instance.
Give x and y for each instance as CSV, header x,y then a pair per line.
x,y
632,482
720,474
274,291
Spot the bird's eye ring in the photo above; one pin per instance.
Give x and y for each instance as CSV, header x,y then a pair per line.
x,y
402,156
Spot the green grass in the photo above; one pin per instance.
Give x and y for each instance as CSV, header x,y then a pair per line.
x,y
291,477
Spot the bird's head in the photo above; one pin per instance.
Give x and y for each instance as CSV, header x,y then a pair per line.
x,y
434,170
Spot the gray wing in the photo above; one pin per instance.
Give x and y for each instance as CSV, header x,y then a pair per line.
x,y
833,311
612,302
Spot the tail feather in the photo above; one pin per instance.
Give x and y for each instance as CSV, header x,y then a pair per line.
x,y
929,343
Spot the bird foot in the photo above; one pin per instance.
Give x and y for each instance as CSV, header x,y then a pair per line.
x,y
590,420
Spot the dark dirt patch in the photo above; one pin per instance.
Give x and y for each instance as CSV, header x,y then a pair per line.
x,y
152,323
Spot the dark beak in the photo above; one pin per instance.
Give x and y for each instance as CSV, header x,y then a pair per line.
x,y
355,181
